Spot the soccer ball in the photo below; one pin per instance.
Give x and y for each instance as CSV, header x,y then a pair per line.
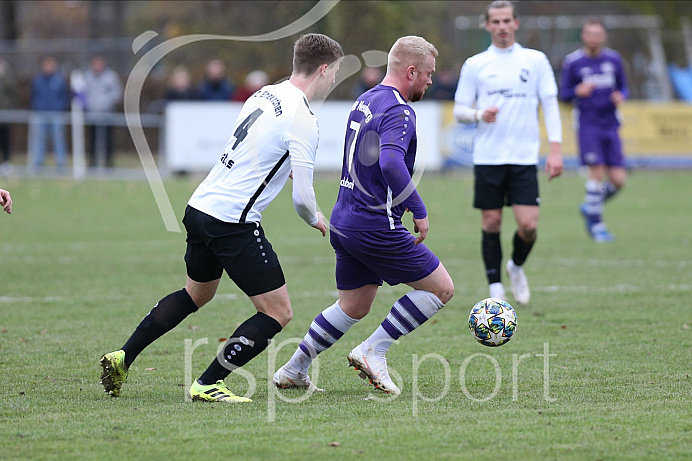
x,y
492,322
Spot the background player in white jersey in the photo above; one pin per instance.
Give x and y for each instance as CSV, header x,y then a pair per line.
x,y
274,135
506,83
366,232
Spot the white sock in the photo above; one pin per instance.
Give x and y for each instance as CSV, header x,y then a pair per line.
x,y
407,314
593,199
325,330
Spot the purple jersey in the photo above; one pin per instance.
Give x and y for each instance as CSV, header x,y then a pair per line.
x,y
379,153
607,73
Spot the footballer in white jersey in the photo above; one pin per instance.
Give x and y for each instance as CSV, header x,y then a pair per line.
x,y
274,131
500,89
515,80
275,135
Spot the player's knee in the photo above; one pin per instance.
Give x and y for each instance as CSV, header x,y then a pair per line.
x,y
527,231
200,297
491,221
446,293
282,315
287,318
492,226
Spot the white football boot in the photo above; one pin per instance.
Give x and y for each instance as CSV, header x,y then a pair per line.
x,y
285,378
373,367
520,286
497,291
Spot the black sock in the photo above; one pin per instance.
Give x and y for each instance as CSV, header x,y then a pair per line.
x,y
521,249
246,343
492,255
167,313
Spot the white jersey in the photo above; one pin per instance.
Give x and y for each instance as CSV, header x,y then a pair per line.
x,y
275,130
513,79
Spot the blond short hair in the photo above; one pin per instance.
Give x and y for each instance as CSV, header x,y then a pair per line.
x,y
409,51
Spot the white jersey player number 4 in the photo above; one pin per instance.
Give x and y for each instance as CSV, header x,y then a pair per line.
x,y
240,134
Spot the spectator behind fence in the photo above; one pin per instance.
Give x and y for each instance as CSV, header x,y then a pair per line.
x,y
215,86
8,91
49,96
253,82
444,87
180,86
103,94
369,78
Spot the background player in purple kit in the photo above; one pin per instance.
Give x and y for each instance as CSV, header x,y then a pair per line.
x,y
370,242
594,77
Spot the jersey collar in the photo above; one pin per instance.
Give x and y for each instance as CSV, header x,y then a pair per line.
x,y
507,50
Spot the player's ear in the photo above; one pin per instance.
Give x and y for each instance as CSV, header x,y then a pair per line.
x,y
411,72
323,69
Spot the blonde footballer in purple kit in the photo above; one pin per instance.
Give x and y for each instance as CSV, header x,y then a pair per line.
x,y
370,241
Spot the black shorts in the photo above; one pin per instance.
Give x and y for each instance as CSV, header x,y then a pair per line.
x,y
500,185
241,249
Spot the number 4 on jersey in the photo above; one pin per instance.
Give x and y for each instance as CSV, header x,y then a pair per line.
x,y
244,127
240,134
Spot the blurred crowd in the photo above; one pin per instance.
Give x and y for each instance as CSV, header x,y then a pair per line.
x,y
98,91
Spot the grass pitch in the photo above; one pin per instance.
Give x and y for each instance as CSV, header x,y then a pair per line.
x,y
599,368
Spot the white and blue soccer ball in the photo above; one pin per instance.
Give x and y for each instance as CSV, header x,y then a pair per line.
x,y
492,322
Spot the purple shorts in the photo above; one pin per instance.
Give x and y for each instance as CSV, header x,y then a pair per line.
x,y
370,257
600,146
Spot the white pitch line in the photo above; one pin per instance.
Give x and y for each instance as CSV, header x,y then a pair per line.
x,y
28,299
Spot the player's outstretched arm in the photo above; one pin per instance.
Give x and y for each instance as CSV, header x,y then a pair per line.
x,y
6,201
